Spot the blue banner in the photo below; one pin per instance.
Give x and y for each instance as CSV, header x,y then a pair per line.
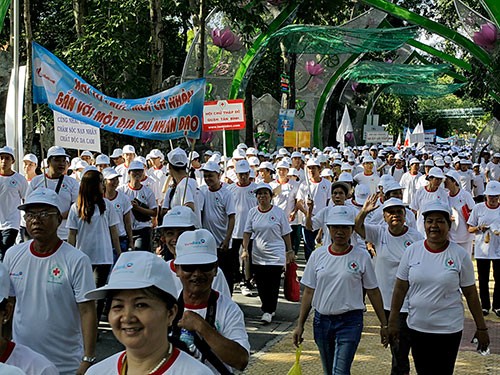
x,y
286,120
171,114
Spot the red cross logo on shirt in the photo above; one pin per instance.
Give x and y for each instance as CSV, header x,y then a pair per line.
x,y
451,262
56,271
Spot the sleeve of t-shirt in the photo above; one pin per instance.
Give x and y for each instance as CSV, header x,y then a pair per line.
x,y
285,225
309,277
75,187
473,216
301,193
230,210
414,202
72,221
318,220
403,269
151,198
234,325
249,222
113,218
6,263
23,187
83,278
373,233
467,277
127,205
369,279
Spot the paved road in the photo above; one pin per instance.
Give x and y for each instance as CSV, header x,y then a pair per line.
x,y
259,334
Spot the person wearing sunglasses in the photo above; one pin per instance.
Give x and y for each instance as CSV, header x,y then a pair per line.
x,y
210,323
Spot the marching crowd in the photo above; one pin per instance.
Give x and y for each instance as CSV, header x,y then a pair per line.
x,y
164,241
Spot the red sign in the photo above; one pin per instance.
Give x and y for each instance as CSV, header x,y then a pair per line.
x,y
224,115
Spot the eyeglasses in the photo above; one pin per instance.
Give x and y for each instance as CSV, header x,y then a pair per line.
x,y
42,215
202,267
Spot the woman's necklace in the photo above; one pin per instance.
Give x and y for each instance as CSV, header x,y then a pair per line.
x,y
152,370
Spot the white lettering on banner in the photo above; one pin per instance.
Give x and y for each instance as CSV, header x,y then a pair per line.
x,y
224,115
378,137
74,134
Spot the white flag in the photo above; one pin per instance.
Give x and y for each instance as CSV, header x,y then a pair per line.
x,y
398,142
344,128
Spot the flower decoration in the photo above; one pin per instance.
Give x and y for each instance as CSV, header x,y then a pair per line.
x,y
276,2
226,39
487,36
314,69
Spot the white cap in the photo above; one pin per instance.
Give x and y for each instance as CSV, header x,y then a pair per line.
x,y
74,162
89,168
261,186
368,159
453,175
194,155
242,146
253,161
283,164
326,173
296,154
345,177
266,165
177,157
399,157
476,165
7,150
292,172
30,157
86,153
414,161
492,188
135,165
283,151
211,166
312,162
56,151
209,152
128,149
102,159
447,159
322,158
361,193
304,149
137,270
239,153
251,151
42,196
179,217
110,173
496,155
436,172
231,174
466,161
216,158
392,186
142,160
436,205
429,163
351,158
4,283
242,166
196,247
393,202
81,164
155,153
346,167
117,152
340,215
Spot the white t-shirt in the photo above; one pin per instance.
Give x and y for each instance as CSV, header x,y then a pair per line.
x,y
219,283
397,173
12,190
320,193
48,289
421,198
369,180
409,184
144,195
493,171
152,183
229,322
479,182
179,363
192,195
218,205
466,180
286,198
458,231
377,217
267,229
435,278
94,239
10,370
319,222
121,205
390,249
31,362
244,200
483,215
68,194
160,175
338,279
123,170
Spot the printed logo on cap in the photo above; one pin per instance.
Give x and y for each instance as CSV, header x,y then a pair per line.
x,y
194,243
125,267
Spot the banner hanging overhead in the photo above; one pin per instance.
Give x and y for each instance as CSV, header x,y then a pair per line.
x,y
171,114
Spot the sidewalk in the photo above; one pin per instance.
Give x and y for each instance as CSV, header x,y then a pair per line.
x,y
371,357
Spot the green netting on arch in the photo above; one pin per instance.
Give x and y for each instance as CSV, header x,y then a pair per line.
x,y
333,40
376,72
423,90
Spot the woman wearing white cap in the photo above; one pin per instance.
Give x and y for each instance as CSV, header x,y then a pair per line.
x,y
143,308
30,163
391,239
434,274
409,181
269,228
93,227
334,279
484,222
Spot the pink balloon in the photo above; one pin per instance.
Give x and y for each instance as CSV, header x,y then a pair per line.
x,y
226,39
313,68
487,36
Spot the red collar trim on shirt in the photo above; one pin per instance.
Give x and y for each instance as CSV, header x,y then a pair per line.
x,y
201,305
429,191
12,173
51,178
354,203
112,199
238,184
172,267
266,211
283,183
157,169
454,195
314,182
132,188
413,174
144,179
7,352
213,191
339,254
491,208
371,174
401,234
440,250
44,255
161,370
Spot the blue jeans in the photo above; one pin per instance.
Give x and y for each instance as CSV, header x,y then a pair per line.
x,y
337,338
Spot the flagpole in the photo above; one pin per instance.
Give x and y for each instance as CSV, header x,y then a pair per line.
x,y
15,68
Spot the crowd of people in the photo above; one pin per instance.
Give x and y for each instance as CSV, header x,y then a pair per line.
x,y
165,241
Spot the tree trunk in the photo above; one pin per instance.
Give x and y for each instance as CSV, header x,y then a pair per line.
x,y
199,15
79,10
156,45
28,93
249,115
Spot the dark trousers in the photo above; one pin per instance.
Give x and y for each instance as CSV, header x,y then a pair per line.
x,y
483,275
229,263
268,279
142,239
434,353
7,239
401,350
101,273
296,236
309,241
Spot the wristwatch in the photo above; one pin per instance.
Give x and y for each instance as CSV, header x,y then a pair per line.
x,y
86,358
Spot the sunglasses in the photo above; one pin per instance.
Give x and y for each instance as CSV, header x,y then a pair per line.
x,y
202,267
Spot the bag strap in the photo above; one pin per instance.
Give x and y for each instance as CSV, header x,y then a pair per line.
x,y
59,183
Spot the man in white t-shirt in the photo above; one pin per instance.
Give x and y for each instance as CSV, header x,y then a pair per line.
x,y
368,176
492,170
409,181
13,187
49,279
158,170
128,155
55,179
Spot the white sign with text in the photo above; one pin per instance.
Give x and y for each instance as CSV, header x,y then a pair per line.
x,y
74,134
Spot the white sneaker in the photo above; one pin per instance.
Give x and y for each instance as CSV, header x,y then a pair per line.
x,y
246,291
266,318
